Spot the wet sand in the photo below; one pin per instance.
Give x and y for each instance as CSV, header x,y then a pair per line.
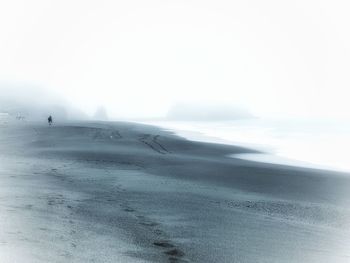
x,y
126,192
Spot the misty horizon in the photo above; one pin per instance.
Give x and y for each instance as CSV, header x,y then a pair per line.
x,y
276,60
174,131
37,103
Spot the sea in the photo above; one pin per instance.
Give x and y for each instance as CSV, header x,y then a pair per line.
x,y
321,144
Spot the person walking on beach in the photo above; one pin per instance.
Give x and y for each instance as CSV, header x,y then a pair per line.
x,y
49,120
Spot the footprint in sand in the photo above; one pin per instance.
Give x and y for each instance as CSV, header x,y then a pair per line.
x,y
163,243
175,255
158,232
151,224
127,208
175,252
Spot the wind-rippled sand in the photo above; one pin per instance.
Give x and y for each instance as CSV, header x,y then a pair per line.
x,y
124,192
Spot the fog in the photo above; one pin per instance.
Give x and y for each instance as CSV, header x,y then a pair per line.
x,y
33,103
207,112
174,131
140,59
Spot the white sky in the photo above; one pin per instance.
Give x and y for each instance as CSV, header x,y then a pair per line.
x,y
139,57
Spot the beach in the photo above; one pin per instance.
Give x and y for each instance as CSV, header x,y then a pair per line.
x,y
128,192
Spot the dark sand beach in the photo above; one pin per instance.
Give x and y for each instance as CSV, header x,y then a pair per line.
x,y
126,192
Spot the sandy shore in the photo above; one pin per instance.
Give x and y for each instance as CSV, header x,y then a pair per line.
x,y
124,192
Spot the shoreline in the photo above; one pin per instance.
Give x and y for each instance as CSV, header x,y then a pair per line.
x,y
267,153
101,191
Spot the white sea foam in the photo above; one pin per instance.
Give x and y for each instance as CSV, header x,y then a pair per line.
x,y
317,144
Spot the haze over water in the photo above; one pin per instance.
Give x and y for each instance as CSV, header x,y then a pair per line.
x,y
307,143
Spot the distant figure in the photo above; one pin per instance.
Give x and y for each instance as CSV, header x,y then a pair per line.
x,y
49,120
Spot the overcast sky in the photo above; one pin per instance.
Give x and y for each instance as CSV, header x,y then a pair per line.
x,y
139,57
